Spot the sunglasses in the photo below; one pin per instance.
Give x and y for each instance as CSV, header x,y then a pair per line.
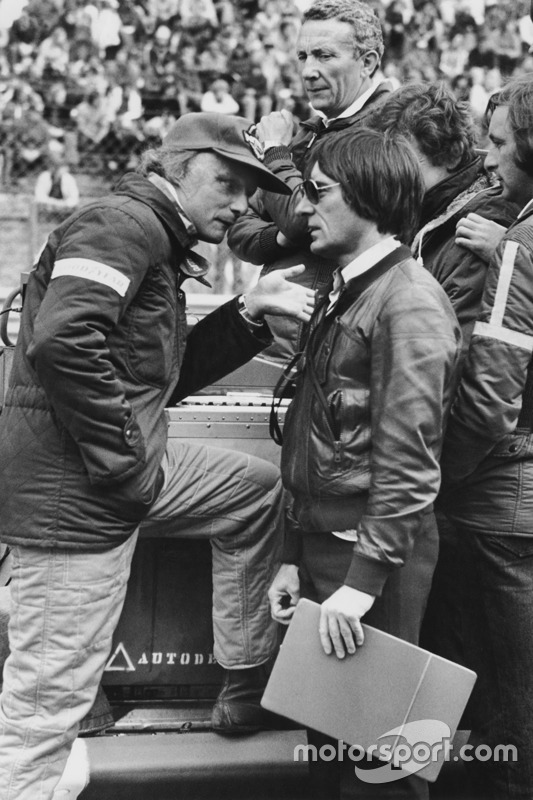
x,y
313,191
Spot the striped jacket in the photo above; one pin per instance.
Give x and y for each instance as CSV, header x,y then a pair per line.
x,y
489,430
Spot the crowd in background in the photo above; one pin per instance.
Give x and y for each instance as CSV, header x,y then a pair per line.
x,y
104,78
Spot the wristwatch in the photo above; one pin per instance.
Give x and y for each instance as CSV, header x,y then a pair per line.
x,y
245,314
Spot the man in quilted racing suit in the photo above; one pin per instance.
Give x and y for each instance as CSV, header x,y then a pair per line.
x,y
102,351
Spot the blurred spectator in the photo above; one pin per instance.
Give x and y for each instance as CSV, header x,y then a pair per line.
x,y
454,57
158,69
197,15
106,29
525,27
394,29
78,19
92,122
56,109
56,190
156,128
131,19
124,70
163,11
125,138
171,52
218,98
211,63
22,96
53,56
46,14
508,47
461,86
30,139
239,63
189,88
479,97
427,31
225,11
23,38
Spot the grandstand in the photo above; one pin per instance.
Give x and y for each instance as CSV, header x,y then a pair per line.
x,y
106,78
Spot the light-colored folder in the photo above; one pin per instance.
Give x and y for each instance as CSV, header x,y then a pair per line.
x,y
389,695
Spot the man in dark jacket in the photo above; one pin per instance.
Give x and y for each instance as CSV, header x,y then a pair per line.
x,y
441,130
458,199
339,49
101,352
487,466
362,435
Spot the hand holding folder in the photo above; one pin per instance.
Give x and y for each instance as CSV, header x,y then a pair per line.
x,y
388,686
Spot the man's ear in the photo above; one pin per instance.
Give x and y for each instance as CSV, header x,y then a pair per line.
x,y
370,61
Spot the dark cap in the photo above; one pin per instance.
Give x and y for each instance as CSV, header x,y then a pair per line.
x,y
229,136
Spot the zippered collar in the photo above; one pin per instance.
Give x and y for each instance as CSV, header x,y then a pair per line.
x,y
438,198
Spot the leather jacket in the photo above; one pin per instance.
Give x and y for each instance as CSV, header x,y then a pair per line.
x,y
362,435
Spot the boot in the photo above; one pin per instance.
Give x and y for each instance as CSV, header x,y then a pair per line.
x,y
237,709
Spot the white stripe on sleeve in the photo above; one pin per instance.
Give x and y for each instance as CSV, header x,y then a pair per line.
x,y
506,335
92,271
504,282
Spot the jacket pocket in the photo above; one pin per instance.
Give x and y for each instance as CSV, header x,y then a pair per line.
x,y
131,500
512,446
511,547
151,347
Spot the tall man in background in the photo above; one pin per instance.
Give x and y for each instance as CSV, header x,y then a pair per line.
x,y
339,48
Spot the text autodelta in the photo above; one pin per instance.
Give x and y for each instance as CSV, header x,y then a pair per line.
x,y
121,660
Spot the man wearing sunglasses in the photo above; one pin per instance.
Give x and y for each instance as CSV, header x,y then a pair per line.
x,y
362,436
339,50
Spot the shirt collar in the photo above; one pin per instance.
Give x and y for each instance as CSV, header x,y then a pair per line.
x,y
356,106
369,258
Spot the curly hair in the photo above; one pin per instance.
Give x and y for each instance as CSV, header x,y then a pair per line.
x,y
378,174
442,126
363,19
517,95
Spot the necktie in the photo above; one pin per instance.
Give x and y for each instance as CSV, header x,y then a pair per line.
x,y
338,283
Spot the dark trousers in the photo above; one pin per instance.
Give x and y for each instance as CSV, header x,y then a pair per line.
x,y
398,611
481,614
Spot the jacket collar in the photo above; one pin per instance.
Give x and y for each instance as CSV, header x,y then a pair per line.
x,y
526,212
361,282
357,286
351,291
439,196
316,125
